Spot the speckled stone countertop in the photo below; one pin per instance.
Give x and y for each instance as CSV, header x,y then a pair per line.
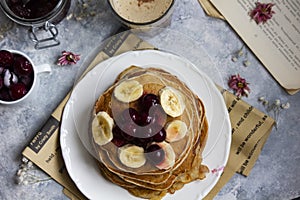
x,y
276,174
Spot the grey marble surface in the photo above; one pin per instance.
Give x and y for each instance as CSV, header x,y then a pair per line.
x,y
276,174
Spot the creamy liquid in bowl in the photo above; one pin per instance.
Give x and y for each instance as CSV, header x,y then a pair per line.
x,y
141,11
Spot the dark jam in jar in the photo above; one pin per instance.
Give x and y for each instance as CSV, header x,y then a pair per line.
x,y
33,9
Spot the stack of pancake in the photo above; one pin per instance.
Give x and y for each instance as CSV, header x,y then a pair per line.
x,y
148,181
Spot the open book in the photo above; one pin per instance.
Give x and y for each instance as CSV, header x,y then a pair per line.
x,y
276,43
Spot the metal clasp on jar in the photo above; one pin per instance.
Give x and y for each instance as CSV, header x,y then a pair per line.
x,y
42,43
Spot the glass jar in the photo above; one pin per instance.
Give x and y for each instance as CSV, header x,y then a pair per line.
x,y
39,15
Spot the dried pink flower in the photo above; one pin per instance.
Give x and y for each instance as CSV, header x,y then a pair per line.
x,y
217,170
239,85
68,58
262,12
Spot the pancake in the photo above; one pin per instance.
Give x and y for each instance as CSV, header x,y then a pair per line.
x,y
189,171
149,180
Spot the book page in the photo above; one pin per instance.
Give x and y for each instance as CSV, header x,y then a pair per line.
x,y
276,43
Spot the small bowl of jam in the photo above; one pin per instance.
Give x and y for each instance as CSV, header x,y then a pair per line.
x,y
18,76
38,15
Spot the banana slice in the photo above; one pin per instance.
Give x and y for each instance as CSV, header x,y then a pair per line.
x,y
132,156
175,130
172,101
129,90
102,128
169,160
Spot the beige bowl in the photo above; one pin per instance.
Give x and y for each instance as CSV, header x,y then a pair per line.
x,y
143,13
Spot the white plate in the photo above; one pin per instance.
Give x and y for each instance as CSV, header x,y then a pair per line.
x,y
82,166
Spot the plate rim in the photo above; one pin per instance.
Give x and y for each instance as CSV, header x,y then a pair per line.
x,y
228,139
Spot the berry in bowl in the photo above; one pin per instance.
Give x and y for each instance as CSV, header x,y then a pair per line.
x,y
17,76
